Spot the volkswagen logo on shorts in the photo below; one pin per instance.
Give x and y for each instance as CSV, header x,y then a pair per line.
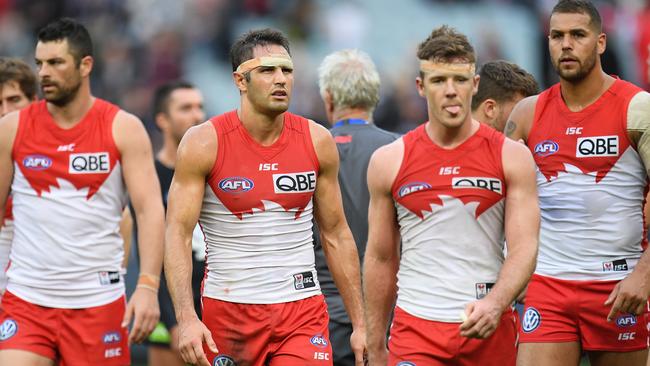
x,y
223,361
8,329
531,320
406,363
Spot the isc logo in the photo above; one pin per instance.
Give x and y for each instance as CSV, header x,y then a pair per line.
x,y
89,163
491,184
113,352
236,185
321,356
546,147
268,166
37,162
294,182
449,170
574,131
597,146
627,336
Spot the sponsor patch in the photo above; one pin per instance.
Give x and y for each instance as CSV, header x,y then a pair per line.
x,y
109,278
546,148
223,360
627,320
406,363
531,320
236,185
112,337
319,341
89,163
482,289
597,146
491,184
303,280
294,182
8,329
413,187
113,352
37,162
619,265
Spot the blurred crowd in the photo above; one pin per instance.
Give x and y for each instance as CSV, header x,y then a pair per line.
x,y
140,44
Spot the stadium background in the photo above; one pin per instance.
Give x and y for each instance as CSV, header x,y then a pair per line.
x,y
140,44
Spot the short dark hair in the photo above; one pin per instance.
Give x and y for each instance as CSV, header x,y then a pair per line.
x,y
501,81
580,7
242,49
446,44
162,95
74,32
13,69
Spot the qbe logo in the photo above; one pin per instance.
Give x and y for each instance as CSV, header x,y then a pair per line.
x,y
597,146
546,147
491,184
89,163
223,360
531,320
294,182
7,329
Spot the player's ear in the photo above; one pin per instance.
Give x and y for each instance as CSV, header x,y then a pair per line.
x,y
240,81
477,80
489,107
419,84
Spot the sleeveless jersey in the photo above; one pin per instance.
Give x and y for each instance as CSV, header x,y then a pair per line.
x,y
6,235
68,196
450,209
257,215
591,184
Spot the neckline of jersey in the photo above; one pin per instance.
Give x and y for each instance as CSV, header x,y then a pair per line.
x,y
468,144
591,108
277,145
54,127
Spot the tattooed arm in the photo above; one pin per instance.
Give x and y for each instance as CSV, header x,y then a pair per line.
x,y
521,119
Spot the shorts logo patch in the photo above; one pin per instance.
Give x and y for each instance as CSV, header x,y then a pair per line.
x,y
619,265
406,363
109,278
319,341
112,337
223,361
8,329
303,280
482,289
531,320
627,320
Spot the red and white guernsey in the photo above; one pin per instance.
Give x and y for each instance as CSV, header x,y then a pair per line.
x,y
6,235
257,215
591,184
450,207
68,196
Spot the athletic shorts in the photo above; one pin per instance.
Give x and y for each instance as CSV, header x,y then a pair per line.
x,y
559,311
416,341
286,334
74,337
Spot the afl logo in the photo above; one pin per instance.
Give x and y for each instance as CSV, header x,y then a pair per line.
x,y
546,147
37,162
412,188
405,363
223,361
8,329
318,341
627,320
236,185
531,320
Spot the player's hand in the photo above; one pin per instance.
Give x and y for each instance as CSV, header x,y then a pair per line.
x,y
143,309
629,296
378,356
192,334
483,317
358,345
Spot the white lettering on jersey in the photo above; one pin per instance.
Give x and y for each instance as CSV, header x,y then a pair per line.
x,y
597,146
574,131
294,182
268,166
69,147
89,163
449,170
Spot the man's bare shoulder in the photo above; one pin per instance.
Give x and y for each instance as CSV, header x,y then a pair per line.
x,y
319,133
521,118
385,163
199,146
8,128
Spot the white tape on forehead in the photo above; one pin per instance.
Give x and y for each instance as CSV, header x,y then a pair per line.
x,y
465,68
269,61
